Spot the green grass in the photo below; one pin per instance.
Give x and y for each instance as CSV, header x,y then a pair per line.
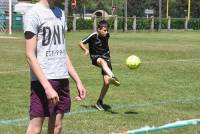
x,y
164,89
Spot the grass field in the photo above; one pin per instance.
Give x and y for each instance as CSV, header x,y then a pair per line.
x,y
164,89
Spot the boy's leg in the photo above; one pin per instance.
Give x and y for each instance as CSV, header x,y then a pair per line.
x,y
103,64
106,66
99,104
35,125
105,87
55,124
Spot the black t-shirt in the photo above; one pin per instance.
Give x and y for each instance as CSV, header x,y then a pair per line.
x,y
98,45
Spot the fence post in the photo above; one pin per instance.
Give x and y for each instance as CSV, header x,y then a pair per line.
x,y
125,17
115,23
186,23
152,23
95,23
134,23
74,22
169,24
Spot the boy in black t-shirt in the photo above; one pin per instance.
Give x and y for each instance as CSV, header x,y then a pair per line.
x,y
100,57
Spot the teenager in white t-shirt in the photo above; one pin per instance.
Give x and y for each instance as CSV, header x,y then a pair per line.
x,y
50,65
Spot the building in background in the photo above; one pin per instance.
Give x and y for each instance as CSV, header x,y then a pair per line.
x,y
4,5
22,7
19,7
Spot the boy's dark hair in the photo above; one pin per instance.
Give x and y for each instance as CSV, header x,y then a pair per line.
x,y
103,23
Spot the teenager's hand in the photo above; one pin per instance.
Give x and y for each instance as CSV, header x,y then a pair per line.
x,y
86,52
81,92
78,98
52,96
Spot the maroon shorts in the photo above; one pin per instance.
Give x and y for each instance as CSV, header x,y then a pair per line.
x,y
39,106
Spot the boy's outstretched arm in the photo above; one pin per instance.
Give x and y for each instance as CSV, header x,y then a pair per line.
x,y
84,48
72,72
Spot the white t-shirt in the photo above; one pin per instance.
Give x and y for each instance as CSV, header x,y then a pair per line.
x,y
51,49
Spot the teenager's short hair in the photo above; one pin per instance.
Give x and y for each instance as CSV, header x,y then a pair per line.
x,y
103,23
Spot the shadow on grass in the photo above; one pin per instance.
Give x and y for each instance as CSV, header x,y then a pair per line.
x,y
130,112
87,106
107,108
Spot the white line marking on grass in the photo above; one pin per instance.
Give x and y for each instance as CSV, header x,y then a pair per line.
x,y
9,37
178,60
114,107
115,64
13,121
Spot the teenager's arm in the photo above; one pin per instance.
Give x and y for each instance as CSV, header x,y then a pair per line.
x,y
75,77
84,48
31,46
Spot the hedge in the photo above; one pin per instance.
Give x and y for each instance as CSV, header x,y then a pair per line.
x,y
142,23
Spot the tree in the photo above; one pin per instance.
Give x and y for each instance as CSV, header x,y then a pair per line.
x,y
34,1
195,9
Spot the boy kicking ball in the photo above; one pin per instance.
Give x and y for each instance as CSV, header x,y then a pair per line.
x,y
100,57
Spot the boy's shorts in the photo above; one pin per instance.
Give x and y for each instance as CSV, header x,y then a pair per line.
x,y
39,106
108,61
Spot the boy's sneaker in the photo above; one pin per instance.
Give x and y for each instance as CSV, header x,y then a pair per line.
x,y
99,105
113,80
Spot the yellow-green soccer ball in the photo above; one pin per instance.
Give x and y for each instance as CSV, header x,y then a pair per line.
x,y
133,62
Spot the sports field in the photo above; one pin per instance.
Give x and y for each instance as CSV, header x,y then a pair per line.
x,y
164,89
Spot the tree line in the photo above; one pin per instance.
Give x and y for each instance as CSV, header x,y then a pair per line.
x,y
176,8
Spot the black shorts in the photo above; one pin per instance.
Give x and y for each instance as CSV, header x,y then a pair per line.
x,y
94,62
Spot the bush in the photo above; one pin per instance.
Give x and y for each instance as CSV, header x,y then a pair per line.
x,y
142,23
194,24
